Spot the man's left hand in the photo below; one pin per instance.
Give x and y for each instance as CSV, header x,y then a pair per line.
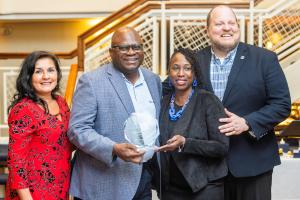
x,y
234,125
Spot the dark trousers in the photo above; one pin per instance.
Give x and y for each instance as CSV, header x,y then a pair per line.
x,y
213,191
249,188
144,189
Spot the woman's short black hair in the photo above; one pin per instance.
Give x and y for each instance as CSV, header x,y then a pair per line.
x,y
24,86
190,56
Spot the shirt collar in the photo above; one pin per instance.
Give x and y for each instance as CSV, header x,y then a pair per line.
x,y
139,81
228,57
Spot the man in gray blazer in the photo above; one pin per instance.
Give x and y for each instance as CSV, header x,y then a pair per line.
x,y
106,166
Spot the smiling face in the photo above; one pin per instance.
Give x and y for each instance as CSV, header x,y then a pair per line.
x,y
126,51
181,73
223,30
44,77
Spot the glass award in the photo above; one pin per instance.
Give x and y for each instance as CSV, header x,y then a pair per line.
x,y
141,130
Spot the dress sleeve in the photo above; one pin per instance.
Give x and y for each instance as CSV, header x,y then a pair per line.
x,y
22,125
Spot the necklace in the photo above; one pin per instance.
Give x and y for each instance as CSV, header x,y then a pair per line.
x,y
175,116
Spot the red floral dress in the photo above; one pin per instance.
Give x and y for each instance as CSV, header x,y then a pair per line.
x,y
39,151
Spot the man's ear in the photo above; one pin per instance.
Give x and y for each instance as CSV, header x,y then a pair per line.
x,y
110,52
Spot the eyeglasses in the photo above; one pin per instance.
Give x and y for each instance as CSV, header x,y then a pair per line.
x,y
125,48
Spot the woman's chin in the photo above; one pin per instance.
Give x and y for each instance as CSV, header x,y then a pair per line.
x,y
182,87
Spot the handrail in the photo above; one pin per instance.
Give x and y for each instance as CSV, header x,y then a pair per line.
x,y
71,84
86,34
154,5
151,3
134,10
256,2
112,17
193,4
122,23
81,46
291,50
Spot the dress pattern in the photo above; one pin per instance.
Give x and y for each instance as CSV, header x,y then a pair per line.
x,y
39,151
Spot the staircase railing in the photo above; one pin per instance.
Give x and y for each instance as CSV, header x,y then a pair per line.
x,y
153,25
263,27
184,24
72,77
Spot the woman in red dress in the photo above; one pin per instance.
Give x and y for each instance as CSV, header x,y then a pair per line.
x,y
39,151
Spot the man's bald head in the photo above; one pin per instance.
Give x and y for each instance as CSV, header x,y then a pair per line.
x,y
127,52
125,32
223,30
211,12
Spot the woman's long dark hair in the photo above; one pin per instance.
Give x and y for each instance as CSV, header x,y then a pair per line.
x,y
190,56
24,81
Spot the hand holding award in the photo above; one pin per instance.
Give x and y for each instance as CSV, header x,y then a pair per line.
x,y
141,130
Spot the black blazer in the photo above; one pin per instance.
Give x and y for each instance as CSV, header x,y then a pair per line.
x,y
256,90
202,159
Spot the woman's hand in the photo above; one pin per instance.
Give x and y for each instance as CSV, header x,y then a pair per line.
x,y
175,143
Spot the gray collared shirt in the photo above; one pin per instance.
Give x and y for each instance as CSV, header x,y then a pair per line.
x,y
140,95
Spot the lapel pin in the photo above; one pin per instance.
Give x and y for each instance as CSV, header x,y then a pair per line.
x,y
242,57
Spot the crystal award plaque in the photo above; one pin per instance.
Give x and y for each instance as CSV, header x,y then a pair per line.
x,y
142,130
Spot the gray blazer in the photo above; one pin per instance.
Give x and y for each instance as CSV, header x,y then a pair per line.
x,y
101,104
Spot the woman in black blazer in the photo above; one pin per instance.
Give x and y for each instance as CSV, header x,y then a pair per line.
x,y
193,150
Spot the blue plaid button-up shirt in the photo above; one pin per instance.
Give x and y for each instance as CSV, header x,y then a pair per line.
x,y
219,72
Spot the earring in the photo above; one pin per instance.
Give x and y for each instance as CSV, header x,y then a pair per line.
x,y
170,82
195,83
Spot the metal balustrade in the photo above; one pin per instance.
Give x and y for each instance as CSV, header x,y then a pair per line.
x,y
147,26
162,30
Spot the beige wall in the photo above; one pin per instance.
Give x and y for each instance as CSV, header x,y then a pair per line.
x,y
54,6
47,35
52,36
